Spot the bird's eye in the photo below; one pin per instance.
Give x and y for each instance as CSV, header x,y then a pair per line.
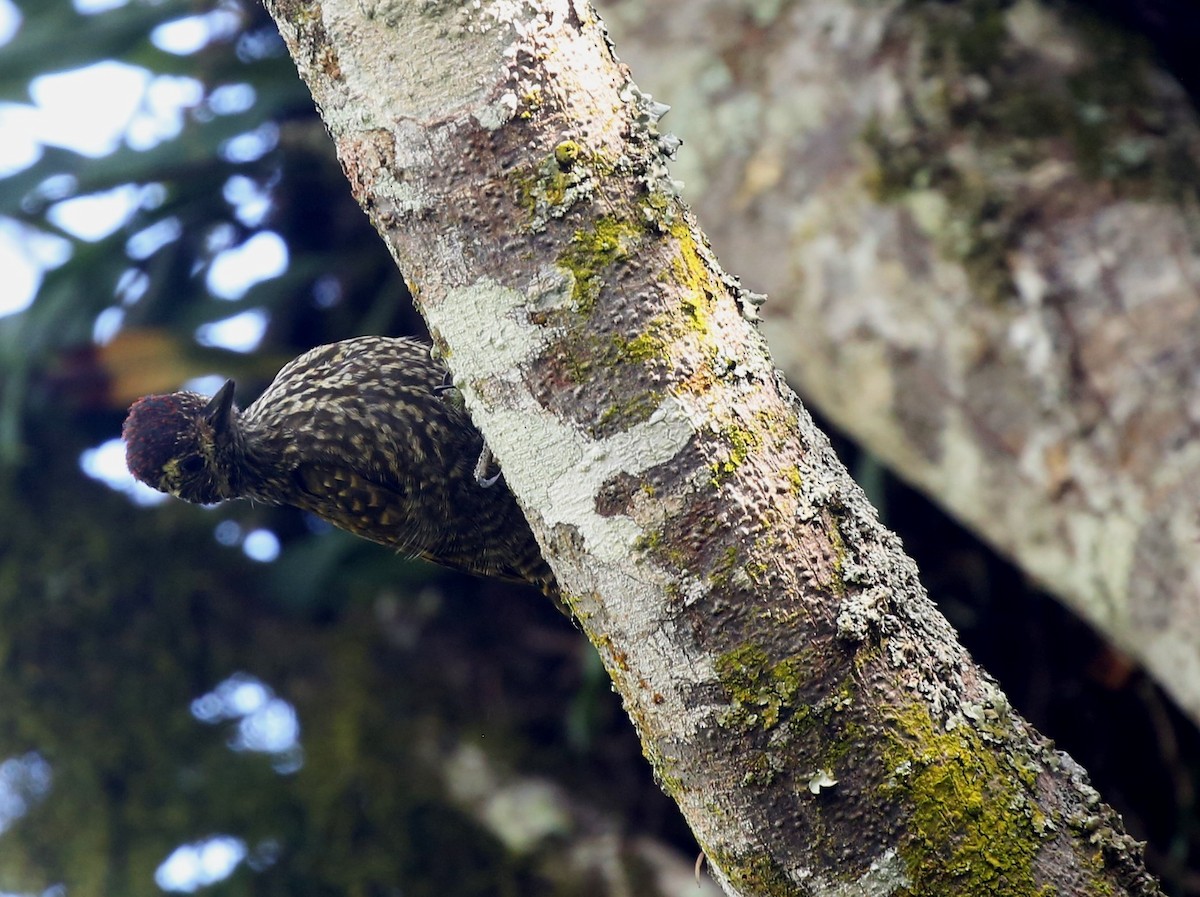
x,y
192,464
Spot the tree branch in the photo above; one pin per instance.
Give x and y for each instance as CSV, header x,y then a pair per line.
x,y
794,689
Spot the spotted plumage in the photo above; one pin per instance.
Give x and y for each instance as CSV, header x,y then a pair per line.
x,y
362,433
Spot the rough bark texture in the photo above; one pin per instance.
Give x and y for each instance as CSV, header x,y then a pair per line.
x,y
979,229
797,694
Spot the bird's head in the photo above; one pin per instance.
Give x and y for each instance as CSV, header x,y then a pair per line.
x,y
182,443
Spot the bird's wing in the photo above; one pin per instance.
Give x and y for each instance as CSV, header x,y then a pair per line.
x,y
389,513
380,511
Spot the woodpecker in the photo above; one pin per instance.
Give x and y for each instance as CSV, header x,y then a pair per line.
x,y
364,433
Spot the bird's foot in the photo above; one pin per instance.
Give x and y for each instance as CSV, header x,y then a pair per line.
x,y
485,460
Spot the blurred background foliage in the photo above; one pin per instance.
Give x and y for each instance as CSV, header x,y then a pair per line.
x,y
181,712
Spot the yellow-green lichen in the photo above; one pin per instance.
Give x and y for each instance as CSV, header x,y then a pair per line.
x,y
643,347
971,831
540,190
759,691
754,872
756,570
761,771
630,411
654,542
593,252
690,272
661,765
648,541
719,577
566,153
583,350
659,211
741,442
837,582
794,478
550,188
531,102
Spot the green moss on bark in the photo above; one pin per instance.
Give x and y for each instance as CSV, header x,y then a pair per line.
x,y
759,691
972,829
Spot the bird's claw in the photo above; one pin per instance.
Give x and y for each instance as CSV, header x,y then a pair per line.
x,y
485,459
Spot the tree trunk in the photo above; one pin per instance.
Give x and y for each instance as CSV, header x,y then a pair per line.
x,y
978,224
794,689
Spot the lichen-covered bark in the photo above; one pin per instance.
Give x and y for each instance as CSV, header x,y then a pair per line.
x,y
795,691
978,225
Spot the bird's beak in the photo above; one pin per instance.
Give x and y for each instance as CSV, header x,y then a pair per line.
x,y
219,411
